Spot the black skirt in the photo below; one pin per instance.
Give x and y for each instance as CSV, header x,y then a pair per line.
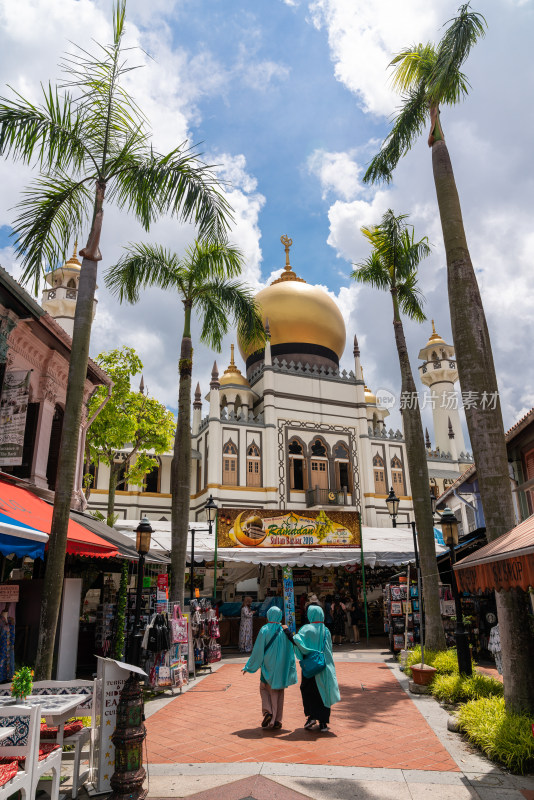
x,y
311,699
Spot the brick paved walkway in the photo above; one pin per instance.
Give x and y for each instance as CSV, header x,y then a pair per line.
x,y
218,721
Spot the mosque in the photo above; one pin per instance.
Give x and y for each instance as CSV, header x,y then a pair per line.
x,y
291,430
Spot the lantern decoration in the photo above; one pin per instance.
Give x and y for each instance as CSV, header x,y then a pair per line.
x,y
128,737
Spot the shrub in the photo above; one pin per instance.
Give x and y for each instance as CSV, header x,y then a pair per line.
x,y
446,662
458,688
414,657
502,736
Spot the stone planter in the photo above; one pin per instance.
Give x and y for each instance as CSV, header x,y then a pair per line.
x,y
422,674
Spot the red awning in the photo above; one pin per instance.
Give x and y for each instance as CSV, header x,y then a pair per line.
x,y
26,507
505,563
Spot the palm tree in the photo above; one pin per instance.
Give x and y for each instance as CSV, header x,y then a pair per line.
x,y
202,281
429,77
91,142
392,266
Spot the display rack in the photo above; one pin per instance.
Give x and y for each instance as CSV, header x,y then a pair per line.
x,y
397,613
205,633
106,615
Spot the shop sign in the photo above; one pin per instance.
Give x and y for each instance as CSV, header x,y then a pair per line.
x,y
9,593
289,599
147,581
13,408
267,528
302,577
162,587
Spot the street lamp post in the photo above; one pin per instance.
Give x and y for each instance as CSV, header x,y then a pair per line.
x,y
211,516
392,502
142,545
449,527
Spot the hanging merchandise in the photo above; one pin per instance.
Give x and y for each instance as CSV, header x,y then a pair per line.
x,y
400,622
7,642
205,631
167,660
158,635
178,626
106,617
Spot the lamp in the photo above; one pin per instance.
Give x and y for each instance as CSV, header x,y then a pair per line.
x,y
142,545
143,533
392,502
449,528
211,515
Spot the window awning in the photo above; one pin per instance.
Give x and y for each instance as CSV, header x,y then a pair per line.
x,y
505,563
22,506
20,540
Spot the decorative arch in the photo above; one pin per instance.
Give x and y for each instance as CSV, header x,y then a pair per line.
x,y
319,454
342,467
71,284
379,474
230,464
397,476
298,471
230,449
253,465
319,448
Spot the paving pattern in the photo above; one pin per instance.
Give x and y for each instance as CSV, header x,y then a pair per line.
x,y
375,725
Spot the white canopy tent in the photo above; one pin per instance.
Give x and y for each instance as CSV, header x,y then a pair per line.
x,y
382,547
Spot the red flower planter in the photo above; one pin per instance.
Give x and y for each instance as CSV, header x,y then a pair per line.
x,y
422,674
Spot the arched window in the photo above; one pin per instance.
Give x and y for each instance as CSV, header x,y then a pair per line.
x,y
318,464
434,356
151,481
397,476
342,467
297,466
253,465
71,284
229,464
379,474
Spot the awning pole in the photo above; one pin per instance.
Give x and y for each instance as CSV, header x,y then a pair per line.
x,y
364,592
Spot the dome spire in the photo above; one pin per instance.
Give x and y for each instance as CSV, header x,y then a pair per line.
x,y
73,260
287,274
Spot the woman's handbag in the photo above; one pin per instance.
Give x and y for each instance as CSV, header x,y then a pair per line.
x,y
314,662
178,626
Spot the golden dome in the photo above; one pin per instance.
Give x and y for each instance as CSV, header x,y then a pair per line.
x,y
435,338
232,375
299,313
370,398
73,262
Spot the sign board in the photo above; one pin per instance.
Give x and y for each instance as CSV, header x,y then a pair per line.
x,y
111,677
269,528
162,588
9,592
13,408
302,577
289,599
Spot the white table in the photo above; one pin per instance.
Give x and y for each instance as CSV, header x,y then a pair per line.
x,y
5,733
55,708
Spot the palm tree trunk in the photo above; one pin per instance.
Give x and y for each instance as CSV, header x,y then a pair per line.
x,y
420,484
57,546
181,466
112,488
477,374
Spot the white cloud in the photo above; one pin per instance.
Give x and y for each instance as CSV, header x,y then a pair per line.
x,y
337,173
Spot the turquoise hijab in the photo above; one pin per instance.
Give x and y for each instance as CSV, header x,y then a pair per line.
x,y
316,636
277,665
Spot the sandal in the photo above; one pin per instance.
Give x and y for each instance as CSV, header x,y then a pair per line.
x,y
308,725
267,717
277,726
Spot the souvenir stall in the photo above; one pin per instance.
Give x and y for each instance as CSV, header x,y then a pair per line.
x,y
167,648
205,633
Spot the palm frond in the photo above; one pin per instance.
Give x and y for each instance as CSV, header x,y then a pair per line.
x,y
372,272
52,133
225,302
407,126
411,298
412,65
212,259
53,211
141,266
178,184
462,34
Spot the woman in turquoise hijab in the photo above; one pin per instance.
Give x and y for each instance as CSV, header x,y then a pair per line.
x,y
273,655
320,692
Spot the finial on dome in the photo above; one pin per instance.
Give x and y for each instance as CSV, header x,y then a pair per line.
x,y
198,397
214,384
356,350
232,362
73,260
287,242
287,274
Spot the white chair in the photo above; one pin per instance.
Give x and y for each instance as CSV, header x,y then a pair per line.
x,y
81,738
85,709
22,745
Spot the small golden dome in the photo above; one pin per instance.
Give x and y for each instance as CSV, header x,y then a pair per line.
x,y
232,375
435,338
73,262
299,313
370,398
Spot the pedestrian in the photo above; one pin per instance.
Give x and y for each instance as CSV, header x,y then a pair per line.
x,y
321,691
313,600
338,620
355,617
328,612
245,626
274,656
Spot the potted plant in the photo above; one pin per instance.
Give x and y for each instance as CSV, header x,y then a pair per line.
x,y
422,674
22,683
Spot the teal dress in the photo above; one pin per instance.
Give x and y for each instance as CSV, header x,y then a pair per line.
x,y
277,660
320,692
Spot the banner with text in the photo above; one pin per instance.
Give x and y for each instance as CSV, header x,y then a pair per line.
x,y
13,408
271,528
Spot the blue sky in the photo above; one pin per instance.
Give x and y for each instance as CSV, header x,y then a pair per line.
x,y
292,98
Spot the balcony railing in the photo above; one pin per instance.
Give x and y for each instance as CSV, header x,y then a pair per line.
x,y
328,497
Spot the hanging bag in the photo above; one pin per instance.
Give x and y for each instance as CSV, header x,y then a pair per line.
x,y
178,626
313,663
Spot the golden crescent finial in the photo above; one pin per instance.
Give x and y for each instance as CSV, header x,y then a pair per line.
x,y
287,242
433,328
